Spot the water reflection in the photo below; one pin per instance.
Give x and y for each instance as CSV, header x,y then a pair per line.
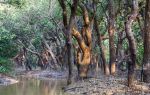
x,y
28,86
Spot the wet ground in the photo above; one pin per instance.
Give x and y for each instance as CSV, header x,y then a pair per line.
x,y
54,83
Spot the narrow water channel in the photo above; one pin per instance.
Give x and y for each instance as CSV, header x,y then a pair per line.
x,y
28,86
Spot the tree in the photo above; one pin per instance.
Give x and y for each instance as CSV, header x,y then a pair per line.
x,y
98,32
67,31
111,31
131,40
146,57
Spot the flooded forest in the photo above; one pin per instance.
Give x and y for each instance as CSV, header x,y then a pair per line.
x,y
74,47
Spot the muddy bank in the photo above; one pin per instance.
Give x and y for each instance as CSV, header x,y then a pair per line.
x,y
36,74
5,80
45,74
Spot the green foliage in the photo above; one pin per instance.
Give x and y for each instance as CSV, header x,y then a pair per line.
x,y
5,34
17,3
24,25
31,19
7,49
140,52
5,65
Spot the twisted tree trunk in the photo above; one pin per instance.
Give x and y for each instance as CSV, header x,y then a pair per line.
x,y
84,40
131,40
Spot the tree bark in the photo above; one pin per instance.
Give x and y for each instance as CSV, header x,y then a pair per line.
x,y
146,58
102,54
84,40
50,51
83,55
131,40
100,38
111,31
64,13
67,30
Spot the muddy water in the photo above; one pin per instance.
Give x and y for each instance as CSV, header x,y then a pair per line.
x,y
28,86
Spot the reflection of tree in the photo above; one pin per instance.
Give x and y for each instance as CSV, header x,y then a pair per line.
x,y
28,87
44,87
48,87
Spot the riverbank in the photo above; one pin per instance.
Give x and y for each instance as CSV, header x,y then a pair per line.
x,y
6,80
101,85
36,74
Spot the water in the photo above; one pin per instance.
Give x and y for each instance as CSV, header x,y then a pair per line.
x,y
28,86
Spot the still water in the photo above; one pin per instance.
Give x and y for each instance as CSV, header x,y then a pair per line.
x,y
28,86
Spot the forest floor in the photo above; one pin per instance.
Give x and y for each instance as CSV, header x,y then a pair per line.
x,y
101,85
108,85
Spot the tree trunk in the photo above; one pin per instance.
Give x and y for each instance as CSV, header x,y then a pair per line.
x,y
119,45
111,30
67,31
83,55
146,58
50,52
84,40
131,40
120,52
105,68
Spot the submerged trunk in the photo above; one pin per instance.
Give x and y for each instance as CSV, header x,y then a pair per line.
x,y
146,58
